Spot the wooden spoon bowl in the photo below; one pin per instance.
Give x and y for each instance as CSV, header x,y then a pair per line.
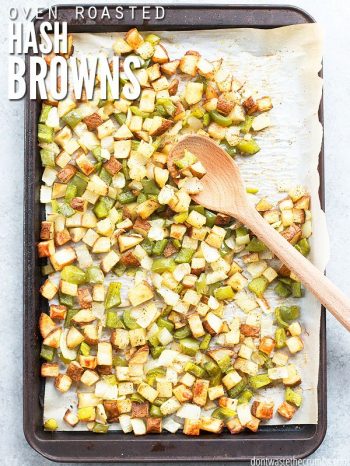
x,y
224,192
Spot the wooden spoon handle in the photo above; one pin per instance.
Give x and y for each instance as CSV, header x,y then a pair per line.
x,y
324,290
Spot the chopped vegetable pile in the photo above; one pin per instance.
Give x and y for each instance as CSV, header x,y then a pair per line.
x,y
158,318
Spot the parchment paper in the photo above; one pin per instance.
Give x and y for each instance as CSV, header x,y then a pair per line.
x,y
282,63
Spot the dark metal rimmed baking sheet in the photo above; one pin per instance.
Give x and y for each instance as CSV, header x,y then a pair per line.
x,y
288,441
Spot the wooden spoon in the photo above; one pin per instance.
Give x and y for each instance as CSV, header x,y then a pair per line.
x,y
224,192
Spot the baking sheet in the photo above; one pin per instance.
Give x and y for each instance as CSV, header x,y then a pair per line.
x,y
284,64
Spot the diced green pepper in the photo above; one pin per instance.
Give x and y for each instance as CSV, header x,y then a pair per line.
x,y
71,193
73,117
168,105
47,158
231,150
113,320
204,345
136,111
206,119
165,323
280,337
80,181
155,411
51,424
245,396
45,133
184,256
220,119
44,113
94,275
235,391
181,217
249,147
159,247
157,351
303,247
119,361
65,210
297,290
251,190
211,218
103,206
212,368
100,428
147,245
224,293
258,286
186,161
47,353
72,274
289,313
247,124
120,117
224,414
129,321
69,316
163,264
291,396
105,176
189,346
113,295
195,370
282,290
84,349
65,299
153,39
126,197
259,381
182,332
255,245
224,363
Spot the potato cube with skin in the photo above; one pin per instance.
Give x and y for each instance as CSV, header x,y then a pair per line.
x,y
120,338
75,371
49,289
63,257
196,326
286,410
124,406
70,418
164,389
267,345
109,261
170,406
104,354
122,149
280,359
134,39
209,424
148,392
49,369
74,338
122,373
154,425
188,379
63,383
137,337
138,426
192,427
196,219
160,54
200,391
193,93
89,378
231,379
177,231
295,344
216,392
188,64
263,409
212,323
264,104
147,101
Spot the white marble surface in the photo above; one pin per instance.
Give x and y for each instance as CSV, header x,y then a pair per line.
x,y
335,18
